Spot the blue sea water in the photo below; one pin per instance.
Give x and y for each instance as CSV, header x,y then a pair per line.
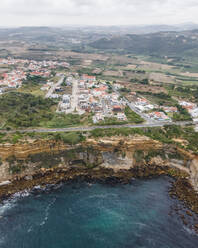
x,y
81,215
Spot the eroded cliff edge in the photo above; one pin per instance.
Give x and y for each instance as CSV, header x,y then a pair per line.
x,y
106,160
117,153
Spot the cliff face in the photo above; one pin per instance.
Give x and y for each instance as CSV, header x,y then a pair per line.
x,y
117,153
194,172
22,151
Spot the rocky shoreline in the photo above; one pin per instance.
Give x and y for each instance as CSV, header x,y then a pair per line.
x,y
181,188
116,160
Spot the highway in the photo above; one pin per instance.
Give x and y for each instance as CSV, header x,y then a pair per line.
x,y
90,128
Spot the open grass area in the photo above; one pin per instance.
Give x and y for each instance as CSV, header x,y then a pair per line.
x,y
32,89
24,110
63,120
32,86
160,99
70,138
132,116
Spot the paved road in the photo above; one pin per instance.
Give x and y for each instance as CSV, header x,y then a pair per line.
x,y
84,129
52,89
74,99
144,116
134,109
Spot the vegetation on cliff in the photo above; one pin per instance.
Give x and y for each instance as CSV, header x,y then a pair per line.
x,y
167,135
184,137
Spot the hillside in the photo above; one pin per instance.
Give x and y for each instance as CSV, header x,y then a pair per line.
x,y
161,43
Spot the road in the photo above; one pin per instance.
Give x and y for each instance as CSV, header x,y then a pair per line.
x,y
74,99
52,89
133,108
144,116
87,128
74,102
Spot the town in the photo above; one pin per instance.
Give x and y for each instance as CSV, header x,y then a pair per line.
x,y
20,68
80,94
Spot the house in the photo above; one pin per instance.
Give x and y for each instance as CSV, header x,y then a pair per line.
x,y
64,106
194,112
98,117
66,98
170,109
54,96
117,108
45,87
160,116
121,117
88,78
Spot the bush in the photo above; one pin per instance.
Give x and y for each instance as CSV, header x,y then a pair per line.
x,y
15,169
72,138
182,115
132,116
62,120
24,110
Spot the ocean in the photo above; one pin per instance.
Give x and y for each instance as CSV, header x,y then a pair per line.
x,y
82,215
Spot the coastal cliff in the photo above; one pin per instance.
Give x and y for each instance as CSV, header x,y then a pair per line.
x,y
117,153
107,160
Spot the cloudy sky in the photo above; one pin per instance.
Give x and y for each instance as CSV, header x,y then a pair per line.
x,y
96,12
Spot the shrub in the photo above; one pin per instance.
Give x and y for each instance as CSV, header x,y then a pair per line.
x,y
132,116
24,110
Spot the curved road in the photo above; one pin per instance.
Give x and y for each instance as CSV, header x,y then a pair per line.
x,y
90,128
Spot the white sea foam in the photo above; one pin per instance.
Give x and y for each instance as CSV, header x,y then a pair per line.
x,y
21,194
102,196
139,224
37,187
190,231
6,206
30,229
47,212
1,240
10,203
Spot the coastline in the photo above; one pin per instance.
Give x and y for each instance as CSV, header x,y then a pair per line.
x,y
116,160
181,187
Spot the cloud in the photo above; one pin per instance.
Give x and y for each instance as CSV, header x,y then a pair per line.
x,y
99,12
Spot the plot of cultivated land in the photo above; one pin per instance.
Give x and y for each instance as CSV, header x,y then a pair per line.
x,y
131,67
161,78
17,51
144,65
2,70
135,75
113,73
147,88
189,74
97,71
66,90
34,90
85,56
87,62
122,60
131,98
